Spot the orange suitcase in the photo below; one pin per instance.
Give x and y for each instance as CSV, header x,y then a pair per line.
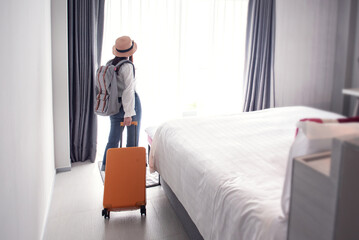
x,y
125,180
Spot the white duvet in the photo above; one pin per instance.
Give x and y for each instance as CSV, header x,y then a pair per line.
x,y
228,171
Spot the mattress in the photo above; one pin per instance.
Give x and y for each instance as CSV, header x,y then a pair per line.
x,y
228,171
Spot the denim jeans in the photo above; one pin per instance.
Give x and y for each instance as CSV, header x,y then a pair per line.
x,y
116,130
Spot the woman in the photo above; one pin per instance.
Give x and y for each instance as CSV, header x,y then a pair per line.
x,y
130,110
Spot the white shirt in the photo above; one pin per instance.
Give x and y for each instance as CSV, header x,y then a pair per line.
x,y
126,84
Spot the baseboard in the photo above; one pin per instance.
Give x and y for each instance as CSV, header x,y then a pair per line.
x,y
64,169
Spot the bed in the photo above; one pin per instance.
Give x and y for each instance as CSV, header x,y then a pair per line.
x,y
228,171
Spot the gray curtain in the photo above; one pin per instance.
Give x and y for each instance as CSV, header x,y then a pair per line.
x,y
259,66
85,32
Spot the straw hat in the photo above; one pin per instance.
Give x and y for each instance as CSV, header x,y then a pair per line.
x,y
124,47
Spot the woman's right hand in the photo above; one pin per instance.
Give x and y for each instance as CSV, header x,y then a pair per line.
x,y
127,121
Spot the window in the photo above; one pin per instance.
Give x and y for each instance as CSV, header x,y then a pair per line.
x,y
190,55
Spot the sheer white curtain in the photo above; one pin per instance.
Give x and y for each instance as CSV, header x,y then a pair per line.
x,y
190,54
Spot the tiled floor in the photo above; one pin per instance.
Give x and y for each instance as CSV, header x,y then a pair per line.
x,y
76,207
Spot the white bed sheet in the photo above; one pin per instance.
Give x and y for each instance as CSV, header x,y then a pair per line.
x,y
228,171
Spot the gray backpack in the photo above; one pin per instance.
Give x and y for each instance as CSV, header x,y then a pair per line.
x,y
106,102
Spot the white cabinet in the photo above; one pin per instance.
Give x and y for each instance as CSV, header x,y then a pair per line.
x,y
325,194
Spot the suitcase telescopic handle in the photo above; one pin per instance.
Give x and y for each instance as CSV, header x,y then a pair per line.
x,y
132,123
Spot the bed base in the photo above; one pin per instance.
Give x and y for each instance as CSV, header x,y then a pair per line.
x,y
181,213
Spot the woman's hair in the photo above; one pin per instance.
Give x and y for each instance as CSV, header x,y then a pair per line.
x,y
118,59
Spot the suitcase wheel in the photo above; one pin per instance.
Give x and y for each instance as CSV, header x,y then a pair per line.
x,y
105,213
143,210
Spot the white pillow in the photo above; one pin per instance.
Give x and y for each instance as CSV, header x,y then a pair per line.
x,y
312,137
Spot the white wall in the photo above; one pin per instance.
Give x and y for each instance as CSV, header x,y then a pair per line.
x,y
317,51
305,52
60,84
26,142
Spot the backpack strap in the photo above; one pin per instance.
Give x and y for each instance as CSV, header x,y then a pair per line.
x,y
118,66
